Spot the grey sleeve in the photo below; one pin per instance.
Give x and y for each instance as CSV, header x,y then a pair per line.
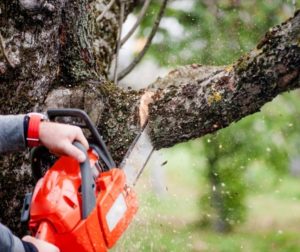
x,y
9,242
11,133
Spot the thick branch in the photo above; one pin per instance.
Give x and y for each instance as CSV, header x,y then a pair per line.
x,y
195,100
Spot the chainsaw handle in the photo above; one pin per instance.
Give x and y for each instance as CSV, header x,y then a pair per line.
x,y
67,112
87,184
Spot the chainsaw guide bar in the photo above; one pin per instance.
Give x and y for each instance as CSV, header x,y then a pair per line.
x,y
137,157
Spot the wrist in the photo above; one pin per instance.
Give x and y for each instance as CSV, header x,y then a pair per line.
x,y
32,122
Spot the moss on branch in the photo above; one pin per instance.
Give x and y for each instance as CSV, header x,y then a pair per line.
x,y
195,100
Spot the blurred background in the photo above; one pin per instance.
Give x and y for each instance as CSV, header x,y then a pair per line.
x,y
238,189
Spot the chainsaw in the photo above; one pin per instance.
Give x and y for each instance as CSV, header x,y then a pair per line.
x,y
84,207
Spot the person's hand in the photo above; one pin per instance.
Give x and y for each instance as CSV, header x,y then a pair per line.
x,y
58,138
41,246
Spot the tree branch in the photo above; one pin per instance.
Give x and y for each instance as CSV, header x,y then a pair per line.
x,y
194,100
137,23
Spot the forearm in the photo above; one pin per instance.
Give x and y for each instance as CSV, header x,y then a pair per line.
x,y
11,133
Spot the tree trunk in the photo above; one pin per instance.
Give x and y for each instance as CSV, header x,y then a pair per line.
x,y
55,54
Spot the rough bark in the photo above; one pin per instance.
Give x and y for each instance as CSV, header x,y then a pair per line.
x,y
55,54
195,100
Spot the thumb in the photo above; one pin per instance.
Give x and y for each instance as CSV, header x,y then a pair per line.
x,y
74,152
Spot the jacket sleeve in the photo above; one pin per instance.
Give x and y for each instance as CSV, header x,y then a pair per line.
x,y
9,242
11,133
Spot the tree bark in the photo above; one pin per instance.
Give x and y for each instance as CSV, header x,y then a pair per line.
x,y
55,54
195,100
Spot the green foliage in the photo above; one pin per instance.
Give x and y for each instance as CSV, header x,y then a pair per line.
x,y
169,223
267,140
214,32
223,205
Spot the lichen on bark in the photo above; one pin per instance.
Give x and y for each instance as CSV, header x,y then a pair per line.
x,y
52,57
120,122
196,100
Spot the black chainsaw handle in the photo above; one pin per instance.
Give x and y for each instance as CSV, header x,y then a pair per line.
x,y
87,184
104,153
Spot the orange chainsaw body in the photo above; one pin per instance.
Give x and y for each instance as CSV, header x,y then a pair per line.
x,y
55,213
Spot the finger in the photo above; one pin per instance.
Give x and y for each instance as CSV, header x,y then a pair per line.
x,y
81,138
40,245
72,151
27,238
